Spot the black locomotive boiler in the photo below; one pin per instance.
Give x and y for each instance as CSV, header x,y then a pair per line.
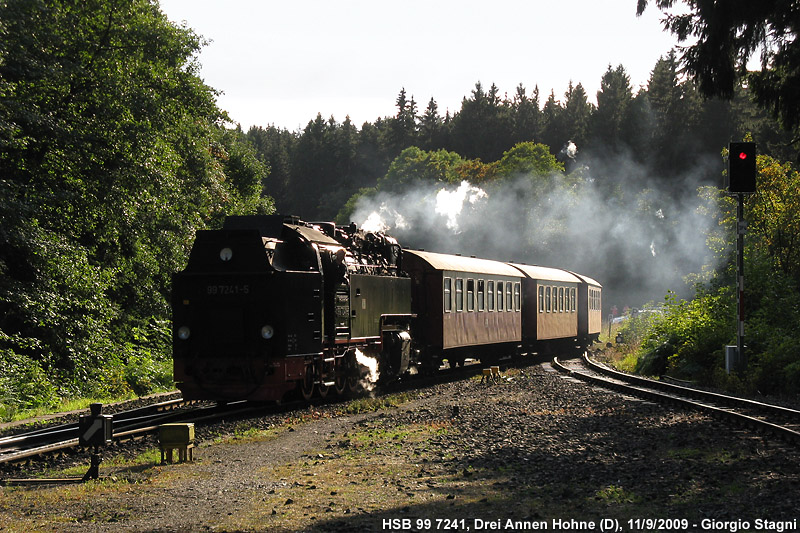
x,y
269,305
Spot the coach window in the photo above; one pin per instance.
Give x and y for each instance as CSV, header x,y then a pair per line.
x,y
459,294
470,295
499,295
517,297
448,295
572,299
547,299
561,299
481,293
509,300
541,298
490,295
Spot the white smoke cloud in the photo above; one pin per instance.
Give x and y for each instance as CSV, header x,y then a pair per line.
x,y
384,219
437,208
639,243
450,203
570,150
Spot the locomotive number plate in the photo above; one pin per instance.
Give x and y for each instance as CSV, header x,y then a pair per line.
x,y
227,290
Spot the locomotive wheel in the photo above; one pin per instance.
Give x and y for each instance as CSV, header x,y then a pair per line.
x,y
341,383
346,385
307,385
323,390
353,385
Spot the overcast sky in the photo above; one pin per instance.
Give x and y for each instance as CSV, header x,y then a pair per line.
x,y
282,62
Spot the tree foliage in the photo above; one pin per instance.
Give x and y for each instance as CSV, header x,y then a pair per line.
x,y
728,34
773,214
113,154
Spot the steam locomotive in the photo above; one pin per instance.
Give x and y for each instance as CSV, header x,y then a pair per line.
x,y
270,305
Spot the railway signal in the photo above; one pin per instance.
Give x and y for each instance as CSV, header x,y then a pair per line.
x,y
741,167
741,180
95,430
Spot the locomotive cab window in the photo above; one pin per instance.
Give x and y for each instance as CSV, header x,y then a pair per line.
x,y
490,295
481,295
459,294
448,295
470,295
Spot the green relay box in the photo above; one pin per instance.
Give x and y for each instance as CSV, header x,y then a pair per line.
x,y
176,434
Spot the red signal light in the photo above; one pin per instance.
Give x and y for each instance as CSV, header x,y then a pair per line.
x,y
741,167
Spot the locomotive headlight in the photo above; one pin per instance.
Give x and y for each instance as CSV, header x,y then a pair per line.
x,y
226,254
184,333
267,332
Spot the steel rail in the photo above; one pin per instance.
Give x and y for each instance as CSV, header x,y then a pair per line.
x,y
130,427
732,401
645,388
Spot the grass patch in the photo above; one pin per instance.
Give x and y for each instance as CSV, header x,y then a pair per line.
x,y
356,474
12,414
616,495
368,404
244,433
704,455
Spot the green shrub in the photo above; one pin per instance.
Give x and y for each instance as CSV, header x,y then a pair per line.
x,y
147,357
23,384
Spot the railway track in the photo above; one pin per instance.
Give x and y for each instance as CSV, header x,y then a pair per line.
x,y
768,418
126,425
135,423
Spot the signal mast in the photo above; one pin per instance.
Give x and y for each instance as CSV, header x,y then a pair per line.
x,y
741,180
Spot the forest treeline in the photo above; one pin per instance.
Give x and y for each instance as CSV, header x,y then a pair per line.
x,y
113,152
665,129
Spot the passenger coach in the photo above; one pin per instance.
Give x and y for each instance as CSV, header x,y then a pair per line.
x,y
550,318
590,313
466,307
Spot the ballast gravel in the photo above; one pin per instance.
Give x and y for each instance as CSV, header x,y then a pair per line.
x,y
536,450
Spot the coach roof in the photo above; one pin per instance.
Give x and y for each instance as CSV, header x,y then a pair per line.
x,y
458,263
547,273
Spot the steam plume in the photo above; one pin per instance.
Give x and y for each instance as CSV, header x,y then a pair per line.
x,y
371,375
639,241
